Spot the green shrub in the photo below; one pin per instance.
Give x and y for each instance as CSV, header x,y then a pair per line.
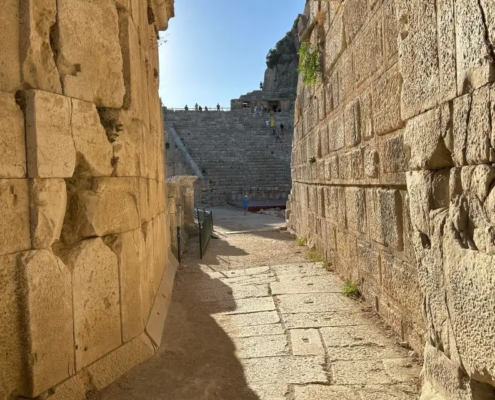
x,y
301,241
314,256
309,63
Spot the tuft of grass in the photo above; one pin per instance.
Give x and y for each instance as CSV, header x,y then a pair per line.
x,y
314,256
301,241
327,265
350,290
312,160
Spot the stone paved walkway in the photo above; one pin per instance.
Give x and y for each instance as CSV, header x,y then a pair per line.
x,y
271,332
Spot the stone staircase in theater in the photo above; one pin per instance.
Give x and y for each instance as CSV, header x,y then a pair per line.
x,y
237,153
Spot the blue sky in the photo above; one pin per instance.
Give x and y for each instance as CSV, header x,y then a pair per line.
x,y
216,49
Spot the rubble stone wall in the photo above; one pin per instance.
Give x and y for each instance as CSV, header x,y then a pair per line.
x,y
400,197
84,236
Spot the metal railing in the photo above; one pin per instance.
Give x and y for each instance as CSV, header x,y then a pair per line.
x,y
192,109
205,223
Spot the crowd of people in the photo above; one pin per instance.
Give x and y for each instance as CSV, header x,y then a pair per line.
x,y
199,108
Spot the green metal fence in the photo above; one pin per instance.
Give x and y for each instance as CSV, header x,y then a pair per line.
x,y
205,222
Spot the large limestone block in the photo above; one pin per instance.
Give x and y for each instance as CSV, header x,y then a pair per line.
x,y
129,249
127,149
50,147
11,347
48,207
386,102
14,216
355,204
163,11
95,282
390,29
384,216
474,49
470,300
158,313
38,19
90,57
47,299
93,148
446,49
368,50
335,43
427,140
136,99
160,253
355,12
12,138
10,65
110,207
418,56
107,370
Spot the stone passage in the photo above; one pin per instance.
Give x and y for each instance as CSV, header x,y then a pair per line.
x,y
235,151
83,228
400,194
238,330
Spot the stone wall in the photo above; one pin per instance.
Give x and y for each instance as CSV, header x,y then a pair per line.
x,y
84,237
400,196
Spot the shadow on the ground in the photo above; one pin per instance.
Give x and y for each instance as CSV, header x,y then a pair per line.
x,y
197,358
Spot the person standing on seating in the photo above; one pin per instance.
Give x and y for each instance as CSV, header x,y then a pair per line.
x,y
218,106
245,204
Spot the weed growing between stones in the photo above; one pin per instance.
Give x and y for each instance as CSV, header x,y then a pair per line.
x,y
301,241
312,160
309,63
314,256
350,290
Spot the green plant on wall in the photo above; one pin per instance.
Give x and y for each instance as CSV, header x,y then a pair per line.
x,y
309,63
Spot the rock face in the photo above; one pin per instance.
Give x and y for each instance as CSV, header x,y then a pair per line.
x,y
282,64
84,233
400,195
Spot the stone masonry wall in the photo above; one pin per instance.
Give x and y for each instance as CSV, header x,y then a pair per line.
x,y
84,233
400,196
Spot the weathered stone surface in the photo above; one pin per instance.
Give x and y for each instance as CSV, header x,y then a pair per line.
x,y
47,292
383,209
356,213
252,319
80,61
48,207
110,207
12,138
93,148
354,16
418,56
14,216
10,67
474,51
129,249
386,102
306,342
261,346
12,380
39,21
95,280
295,369
368,50
305,284
108,369
343,392
311,302
50,147
427,141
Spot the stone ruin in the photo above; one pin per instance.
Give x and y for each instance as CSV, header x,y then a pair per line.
x,y
86,269
401,198
233,153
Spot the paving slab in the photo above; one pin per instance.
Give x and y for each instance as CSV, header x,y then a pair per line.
x,y
246,272
251,319
271,392
368,392
234,330
260,279
294,284
327,318
223,292
300,269
374,372
243,306
312,302
306,342
291,369
261,346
